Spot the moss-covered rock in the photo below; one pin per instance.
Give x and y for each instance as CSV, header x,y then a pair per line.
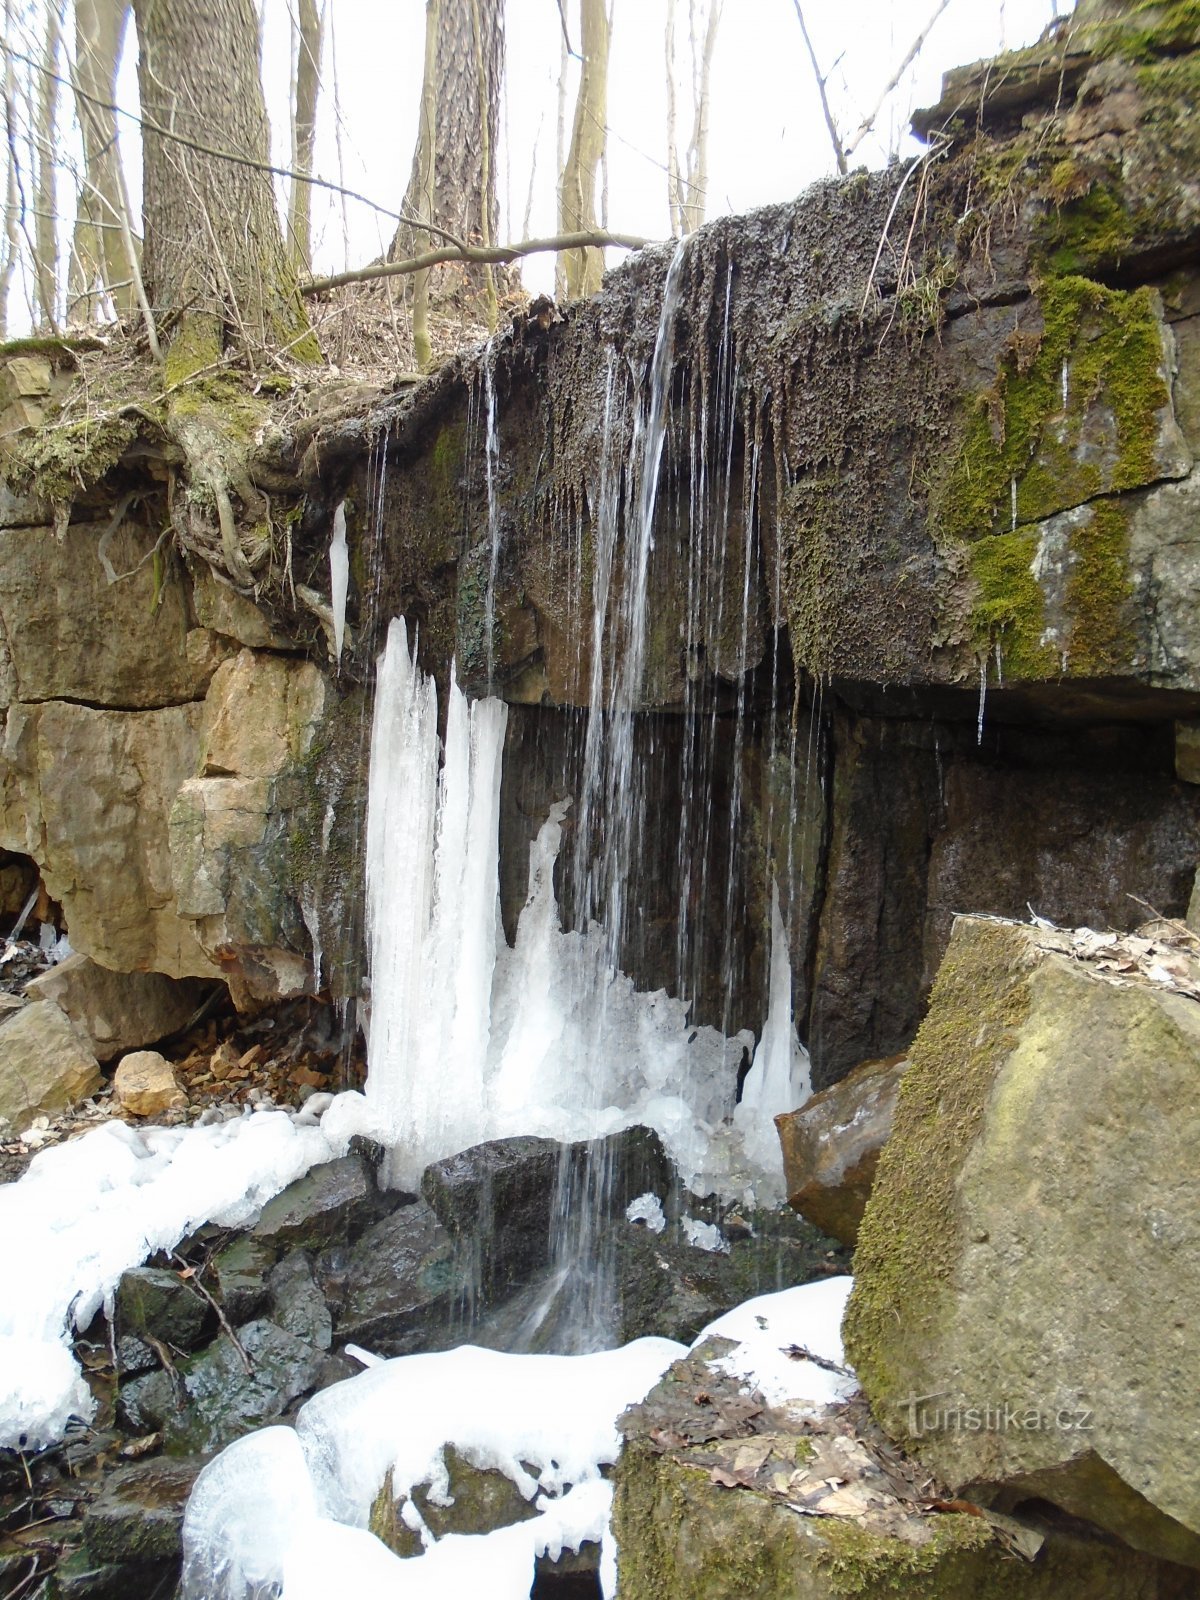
x,y
1026,1278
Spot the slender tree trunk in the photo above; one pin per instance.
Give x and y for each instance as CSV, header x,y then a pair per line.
x,y
453,181
304,130
674,179
214,255
583,269
695,197
99,259
46,192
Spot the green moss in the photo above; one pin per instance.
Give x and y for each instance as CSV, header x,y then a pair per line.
x,y
60,460
1101,640
908,1241
1083,230
1022,432
859,1562
1154,28
1009,608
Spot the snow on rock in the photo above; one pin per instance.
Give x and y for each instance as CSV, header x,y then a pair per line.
x,y
291,1507
805,1318
87,1210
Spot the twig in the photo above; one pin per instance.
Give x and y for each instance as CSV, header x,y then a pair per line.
x,y
868,122
194,1282
926,156
499,254
839,154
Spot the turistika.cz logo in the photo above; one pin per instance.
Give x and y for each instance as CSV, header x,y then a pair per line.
x,y
936,1413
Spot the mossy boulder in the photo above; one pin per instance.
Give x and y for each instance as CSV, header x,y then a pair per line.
x,y
1027,1282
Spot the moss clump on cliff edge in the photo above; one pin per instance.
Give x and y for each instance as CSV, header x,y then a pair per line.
x,y
907,1242
1099,350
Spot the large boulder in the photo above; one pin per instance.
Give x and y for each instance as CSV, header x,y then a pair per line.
x,y
831,1146
117,1011
44,1064
1028,1267
726,1490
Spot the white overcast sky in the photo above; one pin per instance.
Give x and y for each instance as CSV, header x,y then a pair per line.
x,y
767,142
768,139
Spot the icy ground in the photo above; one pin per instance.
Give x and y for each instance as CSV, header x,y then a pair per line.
x,y
86,1211
290,1507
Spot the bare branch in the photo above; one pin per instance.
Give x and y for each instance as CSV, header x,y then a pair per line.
x,y
499,255
914,51
233,156
839,155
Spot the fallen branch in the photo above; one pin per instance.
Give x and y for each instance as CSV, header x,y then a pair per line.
x,y
498,254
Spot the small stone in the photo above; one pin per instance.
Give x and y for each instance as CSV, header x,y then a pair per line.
x,y
146,1086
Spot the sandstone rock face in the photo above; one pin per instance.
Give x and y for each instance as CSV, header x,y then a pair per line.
x,y
86,793
44,1064
145,1084
1028,1260
66,632
230,827
831,1146
117,1011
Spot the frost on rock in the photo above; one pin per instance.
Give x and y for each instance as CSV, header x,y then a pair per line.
x,y
286,1511
704,1236
86,1211
647,1208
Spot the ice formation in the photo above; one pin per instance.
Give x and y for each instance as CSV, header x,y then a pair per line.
x,y
290,1508
469,1039
339,578
647,1208
87,1210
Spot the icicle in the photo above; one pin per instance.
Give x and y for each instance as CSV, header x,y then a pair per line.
x,y
982,699
1066,388
1012,489
779,1079
339,578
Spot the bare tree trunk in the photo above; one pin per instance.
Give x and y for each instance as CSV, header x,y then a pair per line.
x,y
674,180
583,269
695,198
216,267
215,259
453,181
46,190
304,130
98,254
10,240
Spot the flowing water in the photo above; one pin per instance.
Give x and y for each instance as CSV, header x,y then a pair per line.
x,y
471,1039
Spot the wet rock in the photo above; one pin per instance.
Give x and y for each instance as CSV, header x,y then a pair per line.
x,y
82,1577
241,1270
138,1515
393,1291
117,1011
1041,1175
297,1304
153,1301
496,1199
212,1399
831,1146
146,1086
331,1204
481,1499
44,1064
